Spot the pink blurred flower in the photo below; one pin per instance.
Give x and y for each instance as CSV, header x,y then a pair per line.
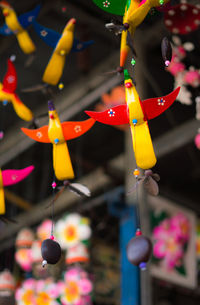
x,y
181,227
77,287
175,67
23,257
192,78
169,238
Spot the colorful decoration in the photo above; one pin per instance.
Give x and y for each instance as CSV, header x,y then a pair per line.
x,y
10,177
173,236
57,133
185,75
133,12
44,229
7,283
38,292
17,26
7,288
25,238
63,44
77,254
23,257
169,238
7,93
77,289
182,18
71,230
137,113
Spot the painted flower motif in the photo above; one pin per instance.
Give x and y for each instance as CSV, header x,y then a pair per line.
x,y
181,227
77,288
111,112
161,102
23,257
106,3
71,230
170,237
43,33
77,128
44,229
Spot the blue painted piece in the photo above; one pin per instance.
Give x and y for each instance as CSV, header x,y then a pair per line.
x,y
80,46
27,18
49,36
4,30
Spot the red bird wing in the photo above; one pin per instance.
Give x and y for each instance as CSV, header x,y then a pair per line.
x,y
72,130
39,134
117,115
10,79
153,107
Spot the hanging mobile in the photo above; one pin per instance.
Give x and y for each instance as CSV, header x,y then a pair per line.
x,y
50,249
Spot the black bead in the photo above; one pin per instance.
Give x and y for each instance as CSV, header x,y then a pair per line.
x,y
51,251
139,250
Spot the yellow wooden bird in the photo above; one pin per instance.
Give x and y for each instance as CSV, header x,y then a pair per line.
x,y
63,44
17,26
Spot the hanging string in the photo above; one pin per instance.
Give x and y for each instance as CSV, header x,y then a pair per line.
x,y
136,174
52,208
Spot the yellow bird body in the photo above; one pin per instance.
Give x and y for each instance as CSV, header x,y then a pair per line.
x,y
142,143
61,158
54,69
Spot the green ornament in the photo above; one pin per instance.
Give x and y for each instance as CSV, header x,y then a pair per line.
x,y
126,75
133,61
161,2
116,7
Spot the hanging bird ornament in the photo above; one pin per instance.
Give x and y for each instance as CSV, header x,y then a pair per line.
x,y
15,25
8,93
136,113
58,133
133,12
10,177
62,44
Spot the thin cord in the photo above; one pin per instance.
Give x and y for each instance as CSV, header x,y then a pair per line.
x,y
136,177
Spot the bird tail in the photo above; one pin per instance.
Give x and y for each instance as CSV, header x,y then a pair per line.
x,y
142,145
61,162
22,110
25,42
51,74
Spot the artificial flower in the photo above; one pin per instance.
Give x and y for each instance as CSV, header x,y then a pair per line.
x,y
71,230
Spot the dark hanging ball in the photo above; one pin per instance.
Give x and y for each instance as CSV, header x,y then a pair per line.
x,y
51,252
166,50
139,250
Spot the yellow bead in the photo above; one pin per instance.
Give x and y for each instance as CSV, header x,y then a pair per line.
x,y
62,52
61,86
136,172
